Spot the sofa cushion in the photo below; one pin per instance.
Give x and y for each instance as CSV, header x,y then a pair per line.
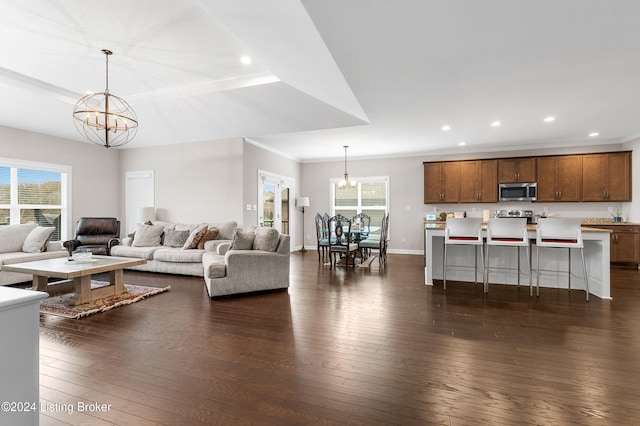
x,y
210,235
242,240
214,266
137,252
147,235
174,238
195,237
12,236
178,255
19,257
266,239
37,239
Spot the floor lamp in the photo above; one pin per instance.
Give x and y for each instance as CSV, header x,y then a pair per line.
x,y
303,202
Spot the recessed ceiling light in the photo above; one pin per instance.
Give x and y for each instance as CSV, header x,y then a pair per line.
x,y
245,60
593,134
446,128
549,119
463,143
495,124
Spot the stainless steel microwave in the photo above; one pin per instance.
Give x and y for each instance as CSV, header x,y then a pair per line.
x,y
518,191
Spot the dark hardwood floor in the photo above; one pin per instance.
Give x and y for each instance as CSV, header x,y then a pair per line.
x,y
358,346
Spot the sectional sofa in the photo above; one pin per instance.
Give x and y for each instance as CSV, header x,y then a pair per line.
x,y
231,260
162,244
25,243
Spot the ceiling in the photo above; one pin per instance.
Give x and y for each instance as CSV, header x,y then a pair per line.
x,y
381,76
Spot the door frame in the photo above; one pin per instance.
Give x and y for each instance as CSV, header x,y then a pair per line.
x,y
280,181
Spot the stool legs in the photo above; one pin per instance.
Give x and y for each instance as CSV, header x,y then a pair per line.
x,y
584,272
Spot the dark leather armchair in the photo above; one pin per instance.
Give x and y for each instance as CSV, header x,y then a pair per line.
x,y
96,234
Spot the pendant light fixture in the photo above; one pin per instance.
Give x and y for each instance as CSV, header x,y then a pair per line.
x,y
346,183
105,119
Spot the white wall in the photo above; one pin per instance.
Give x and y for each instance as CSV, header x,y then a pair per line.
x,y
95,169
407,208
631,211
194,182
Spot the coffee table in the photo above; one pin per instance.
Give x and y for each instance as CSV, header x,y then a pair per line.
x,y
77,275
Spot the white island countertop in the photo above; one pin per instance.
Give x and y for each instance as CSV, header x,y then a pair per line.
x,y
596,251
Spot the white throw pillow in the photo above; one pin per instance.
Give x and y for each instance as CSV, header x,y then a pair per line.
x,y
37,239
147,235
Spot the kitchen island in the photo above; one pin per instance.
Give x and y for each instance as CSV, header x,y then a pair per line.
x,y
596,252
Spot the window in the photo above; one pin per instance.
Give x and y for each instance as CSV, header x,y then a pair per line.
x,y
34,192
369,196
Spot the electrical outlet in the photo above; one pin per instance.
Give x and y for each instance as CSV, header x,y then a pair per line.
x,y
407,207
436,210
404,240
248,206
611,210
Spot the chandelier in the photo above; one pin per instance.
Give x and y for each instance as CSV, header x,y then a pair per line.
x,y
346,183
105,119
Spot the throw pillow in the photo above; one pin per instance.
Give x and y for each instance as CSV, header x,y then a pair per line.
x,y
173,238
195,237
147,235
267,239
211,234
242,240
37,239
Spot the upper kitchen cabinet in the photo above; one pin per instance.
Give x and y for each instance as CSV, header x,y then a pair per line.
x,y
560,178
517,170
442,182
606,176
479,181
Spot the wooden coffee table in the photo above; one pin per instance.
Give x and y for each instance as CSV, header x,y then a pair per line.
x,y
77,275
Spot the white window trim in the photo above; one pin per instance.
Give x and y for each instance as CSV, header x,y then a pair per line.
x,y
359,180
65,171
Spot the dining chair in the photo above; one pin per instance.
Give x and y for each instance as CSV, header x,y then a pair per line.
x,y
321,235
464,232
563,233
363,220
340,240
507,232
377,242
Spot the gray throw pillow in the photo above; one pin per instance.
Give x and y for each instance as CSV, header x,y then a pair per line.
x,y
147,235
37,239
266,239
173,238
242,240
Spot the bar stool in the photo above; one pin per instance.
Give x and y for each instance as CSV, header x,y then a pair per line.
x,y
508,232
464,231
560,233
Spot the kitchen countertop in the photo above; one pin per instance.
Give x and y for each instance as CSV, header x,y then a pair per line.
x,y
530,227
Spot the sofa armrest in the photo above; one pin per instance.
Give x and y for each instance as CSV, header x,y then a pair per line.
x,y
256,263
213,245
223,248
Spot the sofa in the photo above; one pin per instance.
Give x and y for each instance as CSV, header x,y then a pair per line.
x,y
26,242
255,260
174,248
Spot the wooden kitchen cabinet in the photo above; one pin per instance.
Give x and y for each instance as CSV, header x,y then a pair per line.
x,y
560,178
517,169
624,243
442,182
479,181
606,176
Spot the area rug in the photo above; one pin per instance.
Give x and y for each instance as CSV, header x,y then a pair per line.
x,y
61,305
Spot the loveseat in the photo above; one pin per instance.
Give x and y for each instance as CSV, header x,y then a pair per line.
x,y
26,242
255,260
169,247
